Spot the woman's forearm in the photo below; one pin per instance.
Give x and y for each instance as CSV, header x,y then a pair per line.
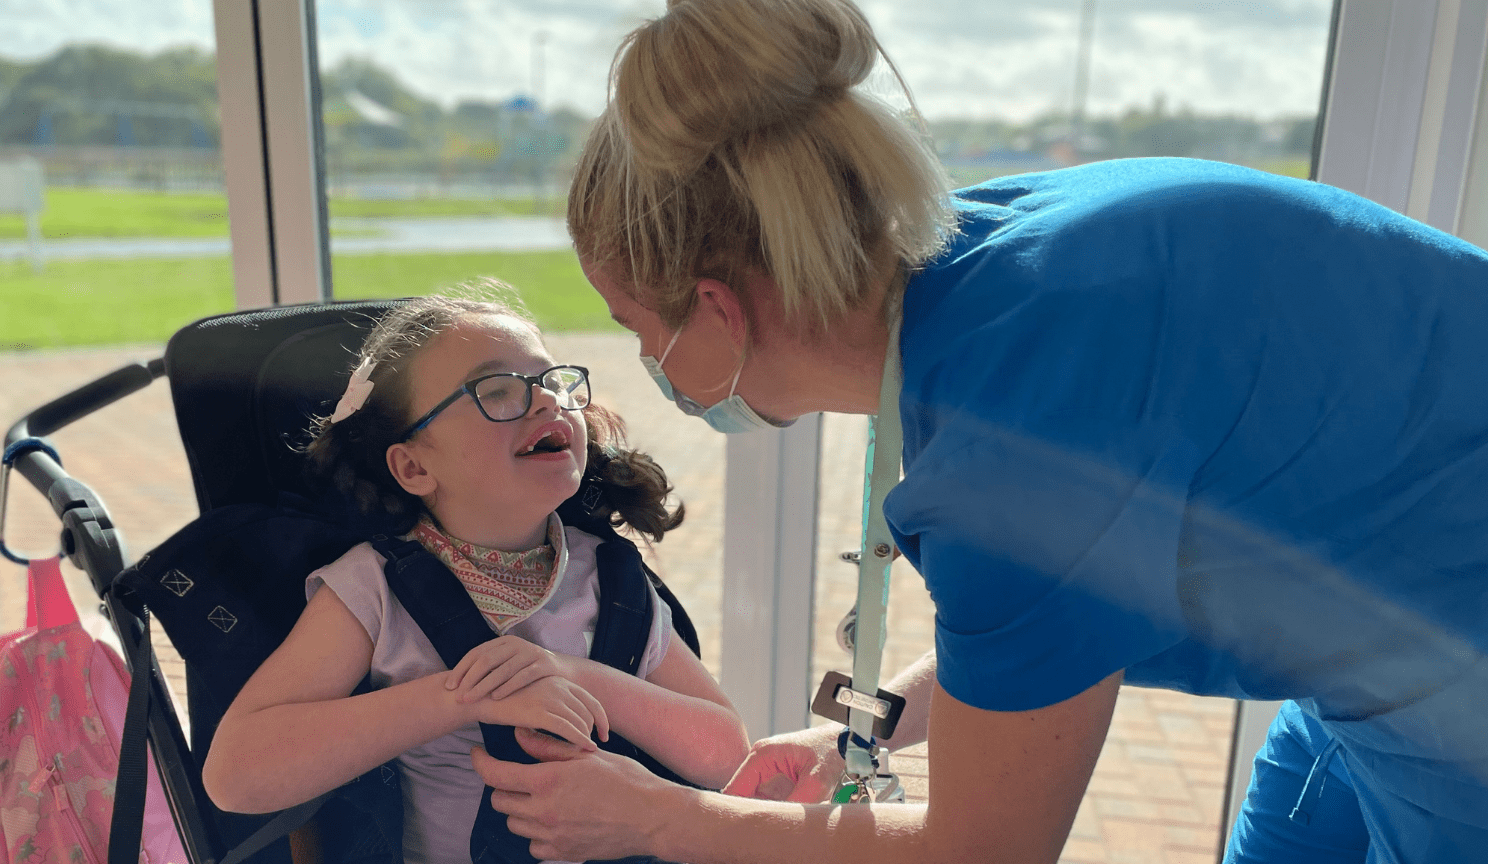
x,y
702,741
916,684
710,828
283,755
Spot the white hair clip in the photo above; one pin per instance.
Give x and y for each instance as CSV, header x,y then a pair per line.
x,y
357,391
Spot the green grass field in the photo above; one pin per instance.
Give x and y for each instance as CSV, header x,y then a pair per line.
x,y
72,212
146,300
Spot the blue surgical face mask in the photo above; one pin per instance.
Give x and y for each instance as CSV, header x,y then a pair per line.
x,y
731,415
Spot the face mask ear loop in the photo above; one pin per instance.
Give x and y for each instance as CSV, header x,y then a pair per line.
x,y
734,385
668,349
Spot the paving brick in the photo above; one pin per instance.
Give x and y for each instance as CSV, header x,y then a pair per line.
x,y
1087,820
1131,835
1149,753
1083,851
1176,836
1188,856
1127,808
1184,814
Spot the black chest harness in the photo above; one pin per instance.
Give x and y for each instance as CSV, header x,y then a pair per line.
x,y
228,589
440,605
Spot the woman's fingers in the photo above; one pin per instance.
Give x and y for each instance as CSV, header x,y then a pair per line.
x,y
511,780
545,748
575,806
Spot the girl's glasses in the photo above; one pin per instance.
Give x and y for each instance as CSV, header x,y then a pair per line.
x,y
508,396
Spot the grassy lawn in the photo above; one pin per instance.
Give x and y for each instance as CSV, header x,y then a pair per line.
x,y
146,300
551,283
74,212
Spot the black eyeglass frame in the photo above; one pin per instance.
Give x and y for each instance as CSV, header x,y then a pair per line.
x,y
468,389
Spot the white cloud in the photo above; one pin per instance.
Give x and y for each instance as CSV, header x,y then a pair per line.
x,y
32,29
984,58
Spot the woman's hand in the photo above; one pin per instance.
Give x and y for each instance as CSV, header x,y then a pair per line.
x,y
803,767
578,806
551,704
501,667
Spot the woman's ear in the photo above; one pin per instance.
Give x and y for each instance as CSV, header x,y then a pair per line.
x,y
720,308
403,463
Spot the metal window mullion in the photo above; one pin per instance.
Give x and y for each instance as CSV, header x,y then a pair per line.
x,y
1462,48
1378,94
1471,210
244,154
296,194
769,566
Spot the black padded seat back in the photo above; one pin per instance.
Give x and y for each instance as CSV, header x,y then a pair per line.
x,y
246,385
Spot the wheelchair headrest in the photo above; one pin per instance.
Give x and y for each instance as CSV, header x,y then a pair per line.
x,y
245,386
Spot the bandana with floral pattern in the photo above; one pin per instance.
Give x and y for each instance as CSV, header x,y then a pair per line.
x,y
506,586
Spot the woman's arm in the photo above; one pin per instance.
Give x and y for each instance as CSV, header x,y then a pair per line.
x,y
293,732
1004,786
678,714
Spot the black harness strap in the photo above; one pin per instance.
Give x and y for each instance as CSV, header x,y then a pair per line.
x,y
438,602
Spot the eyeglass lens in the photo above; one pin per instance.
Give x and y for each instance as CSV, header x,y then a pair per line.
x,y
507,397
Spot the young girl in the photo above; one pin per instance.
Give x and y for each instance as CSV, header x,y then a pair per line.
x,y
459,430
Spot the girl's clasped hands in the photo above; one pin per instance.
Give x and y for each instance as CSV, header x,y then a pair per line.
x,y
512,682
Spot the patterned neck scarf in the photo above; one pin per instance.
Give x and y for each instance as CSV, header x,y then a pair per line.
x,y
507,587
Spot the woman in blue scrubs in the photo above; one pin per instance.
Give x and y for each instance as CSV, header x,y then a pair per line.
x,y
1169,422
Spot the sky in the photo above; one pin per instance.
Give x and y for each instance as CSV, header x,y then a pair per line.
x,y
1006,59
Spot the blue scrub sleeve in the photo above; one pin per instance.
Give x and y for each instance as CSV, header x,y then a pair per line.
x,y
1051,566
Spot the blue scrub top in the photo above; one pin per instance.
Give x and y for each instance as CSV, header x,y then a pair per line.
x,y
1224,430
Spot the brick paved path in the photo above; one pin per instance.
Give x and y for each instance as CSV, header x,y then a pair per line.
x,y
1157,790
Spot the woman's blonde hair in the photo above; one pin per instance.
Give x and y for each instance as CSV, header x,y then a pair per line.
x,y
734,138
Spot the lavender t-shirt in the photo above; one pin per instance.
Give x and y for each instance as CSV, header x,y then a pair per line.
x,y
441,791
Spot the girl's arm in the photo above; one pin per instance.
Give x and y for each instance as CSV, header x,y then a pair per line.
x,y
293,732
678,714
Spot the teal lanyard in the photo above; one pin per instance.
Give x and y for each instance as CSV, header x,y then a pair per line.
x,y
880,474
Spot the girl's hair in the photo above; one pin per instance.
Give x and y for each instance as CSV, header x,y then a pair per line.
x,y
734,138
350,457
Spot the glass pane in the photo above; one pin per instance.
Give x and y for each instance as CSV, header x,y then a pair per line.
x,y
115,105
113,234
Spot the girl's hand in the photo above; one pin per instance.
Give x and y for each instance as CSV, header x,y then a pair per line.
x,y
553,705
501,667
799,766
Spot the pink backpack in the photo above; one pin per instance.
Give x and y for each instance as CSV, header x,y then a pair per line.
x,y
62,701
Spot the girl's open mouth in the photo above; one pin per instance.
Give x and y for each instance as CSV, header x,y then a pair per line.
x,y
549,440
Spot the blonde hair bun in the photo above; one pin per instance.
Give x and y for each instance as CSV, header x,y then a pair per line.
x,y
736,139
714,70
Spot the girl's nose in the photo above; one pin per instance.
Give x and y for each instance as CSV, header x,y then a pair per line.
x,y
543,400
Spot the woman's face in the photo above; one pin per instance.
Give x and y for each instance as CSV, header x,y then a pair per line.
x,y
482,469
701,363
